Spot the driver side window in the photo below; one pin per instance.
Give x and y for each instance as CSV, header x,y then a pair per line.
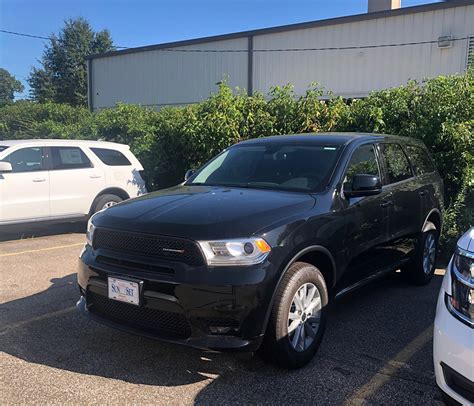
x,y
363,161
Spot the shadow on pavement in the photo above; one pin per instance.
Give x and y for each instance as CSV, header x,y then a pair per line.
x,y
32,230
372,350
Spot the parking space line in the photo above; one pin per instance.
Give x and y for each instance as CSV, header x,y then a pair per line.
x,y
384,374
41,249
9,327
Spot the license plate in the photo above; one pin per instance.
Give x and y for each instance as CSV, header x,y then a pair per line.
x,y
124,291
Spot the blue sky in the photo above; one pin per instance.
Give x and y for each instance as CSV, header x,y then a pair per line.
x,y
143,22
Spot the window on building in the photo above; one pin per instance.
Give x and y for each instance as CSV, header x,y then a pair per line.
x,y
26,160
420,160
111,157
69,158
398,167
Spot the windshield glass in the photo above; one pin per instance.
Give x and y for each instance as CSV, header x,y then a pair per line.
x,y
2,148
271,166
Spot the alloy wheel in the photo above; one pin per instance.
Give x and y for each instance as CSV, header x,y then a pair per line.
x,y
304,317
109,204
429,253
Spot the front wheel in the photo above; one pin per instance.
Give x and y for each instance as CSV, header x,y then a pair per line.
x,y
298,317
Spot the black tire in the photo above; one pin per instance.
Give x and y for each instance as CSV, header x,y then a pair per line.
x,y
277,347
414,271
102,201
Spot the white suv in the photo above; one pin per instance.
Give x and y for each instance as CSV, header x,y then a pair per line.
x,y
453,346
64,179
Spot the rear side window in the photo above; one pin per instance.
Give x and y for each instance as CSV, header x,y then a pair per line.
x,y
69,158
111,157
2,148
420,160
398,167
26,160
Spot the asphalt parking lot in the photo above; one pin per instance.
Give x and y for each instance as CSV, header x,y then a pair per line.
x,y
377,348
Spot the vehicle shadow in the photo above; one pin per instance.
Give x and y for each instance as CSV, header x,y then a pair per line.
x,y
40,229
372,350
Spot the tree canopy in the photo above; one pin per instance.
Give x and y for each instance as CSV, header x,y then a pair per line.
x,y
9,85
62,77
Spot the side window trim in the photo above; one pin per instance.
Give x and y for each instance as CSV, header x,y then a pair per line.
x,y
387,179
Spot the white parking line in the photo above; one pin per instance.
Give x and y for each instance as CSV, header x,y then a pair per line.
x,y
41,249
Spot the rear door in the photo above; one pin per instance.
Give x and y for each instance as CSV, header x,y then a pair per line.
x,y
75,181
24,192
405,220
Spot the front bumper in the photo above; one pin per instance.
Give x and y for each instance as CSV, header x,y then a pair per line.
x,y
215,308
453,351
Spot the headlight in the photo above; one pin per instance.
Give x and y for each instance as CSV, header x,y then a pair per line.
x,y
90,232
461,301
247,251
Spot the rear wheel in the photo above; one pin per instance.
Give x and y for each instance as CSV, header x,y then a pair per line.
x,y
421,268
298,317
104,202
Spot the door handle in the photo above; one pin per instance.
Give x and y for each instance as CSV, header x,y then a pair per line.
x,y
39,179
423,193
387,203
95,176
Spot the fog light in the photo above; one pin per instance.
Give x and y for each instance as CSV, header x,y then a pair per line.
x,y
219,330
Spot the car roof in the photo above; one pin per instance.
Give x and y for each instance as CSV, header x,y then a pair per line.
x,y
333,138
49,142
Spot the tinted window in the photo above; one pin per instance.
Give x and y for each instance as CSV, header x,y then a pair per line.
x,y
363,161
398,167
420,160
111,157
271,166
26,160
69,158
2,148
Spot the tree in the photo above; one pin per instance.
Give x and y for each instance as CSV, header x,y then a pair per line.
x,y
62,77
9,85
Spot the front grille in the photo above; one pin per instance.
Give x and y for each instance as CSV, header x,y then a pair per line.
x,y
133,265
163,324
156,246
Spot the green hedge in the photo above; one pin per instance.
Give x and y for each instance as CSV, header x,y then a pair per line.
x,y
439,111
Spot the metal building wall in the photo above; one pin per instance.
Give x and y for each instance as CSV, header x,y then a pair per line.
x,y
157,78
353,73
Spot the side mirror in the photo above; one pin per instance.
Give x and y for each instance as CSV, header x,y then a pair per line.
x,y
5,166
364,185
189,173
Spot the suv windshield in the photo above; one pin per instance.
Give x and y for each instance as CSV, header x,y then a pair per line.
x,y
271,166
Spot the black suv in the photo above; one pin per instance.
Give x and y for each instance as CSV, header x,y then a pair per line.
x,y
251,249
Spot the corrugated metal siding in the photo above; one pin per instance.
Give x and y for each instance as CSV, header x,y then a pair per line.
x,y
156,78
354,73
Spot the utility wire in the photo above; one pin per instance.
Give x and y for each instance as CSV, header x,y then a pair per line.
x,y
20,34
310,49
354,47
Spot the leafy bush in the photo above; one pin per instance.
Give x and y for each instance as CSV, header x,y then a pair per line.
x,y
439,111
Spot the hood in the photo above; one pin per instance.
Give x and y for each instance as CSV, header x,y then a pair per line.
x,y
204,212
466,242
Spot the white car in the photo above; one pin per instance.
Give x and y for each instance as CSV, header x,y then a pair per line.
x,y
64,179
453,344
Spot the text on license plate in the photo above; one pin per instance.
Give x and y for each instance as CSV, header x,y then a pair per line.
x,y
124,291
